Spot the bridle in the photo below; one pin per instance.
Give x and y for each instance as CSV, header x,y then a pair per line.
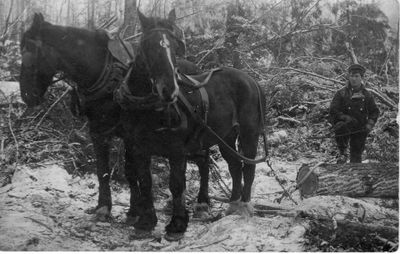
x,y
164,43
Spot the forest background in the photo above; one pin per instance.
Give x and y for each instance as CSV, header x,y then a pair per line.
x,y
298,50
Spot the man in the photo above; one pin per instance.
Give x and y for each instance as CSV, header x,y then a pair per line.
x,y
353,113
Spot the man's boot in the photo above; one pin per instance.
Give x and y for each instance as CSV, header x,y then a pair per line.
x,y
342,158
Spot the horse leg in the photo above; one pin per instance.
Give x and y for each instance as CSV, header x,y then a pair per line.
x,y
201,209
101,145
177,185
132,178
234,166
145,207
248,141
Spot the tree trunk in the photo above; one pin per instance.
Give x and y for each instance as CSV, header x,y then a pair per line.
x,y
129,26
90,10
353,180
68,19
233,30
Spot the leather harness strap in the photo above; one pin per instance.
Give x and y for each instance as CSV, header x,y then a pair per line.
x,y
205,102
194,82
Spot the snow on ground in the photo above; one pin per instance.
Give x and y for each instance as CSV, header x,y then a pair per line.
x,y
44,209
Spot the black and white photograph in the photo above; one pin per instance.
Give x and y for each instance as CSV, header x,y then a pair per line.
x,y
199,125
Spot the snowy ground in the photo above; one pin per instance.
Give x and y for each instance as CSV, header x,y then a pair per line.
x,y
44,209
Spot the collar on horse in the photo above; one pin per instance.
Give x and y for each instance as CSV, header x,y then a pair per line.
x,y
109,79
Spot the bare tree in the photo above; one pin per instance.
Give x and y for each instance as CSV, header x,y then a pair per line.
x,y
233,30
68,21
130,14
90,11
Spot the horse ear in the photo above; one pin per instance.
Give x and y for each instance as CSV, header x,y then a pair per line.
x,y
38,20
172,16
144,21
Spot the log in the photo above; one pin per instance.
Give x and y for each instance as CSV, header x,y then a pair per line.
x,y
379,180
348,219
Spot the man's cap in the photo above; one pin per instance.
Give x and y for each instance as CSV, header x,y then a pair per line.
x,y
357,68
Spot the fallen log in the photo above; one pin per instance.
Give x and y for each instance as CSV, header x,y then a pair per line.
x,y
348,219
380,180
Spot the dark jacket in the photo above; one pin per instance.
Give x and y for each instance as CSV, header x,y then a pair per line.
x,y
359,105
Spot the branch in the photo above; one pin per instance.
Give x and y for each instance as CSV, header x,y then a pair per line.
x,y
13,135
350,50
314,74
7,22
290,34
217,44
289,119
382,98
314,84
52,106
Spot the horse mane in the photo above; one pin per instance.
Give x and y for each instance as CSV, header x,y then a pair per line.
x,y
56,33
96,36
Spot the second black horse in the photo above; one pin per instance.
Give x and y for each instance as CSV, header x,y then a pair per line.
x,y
175,122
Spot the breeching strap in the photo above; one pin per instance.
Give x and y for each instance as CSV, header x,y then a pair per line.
x,y
200,121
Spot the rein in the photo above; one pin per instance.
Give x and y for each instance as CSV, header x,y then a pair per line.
x,y
128,101
123,94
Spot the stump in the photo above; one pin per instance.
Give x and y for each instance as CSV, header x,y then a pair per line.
x,y
379,180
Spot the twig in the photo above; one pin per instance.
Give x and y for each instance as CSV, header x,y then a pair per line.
x,y
256,72
13,135
217,43
380,96
314,74
212,243
317,102
315,84
40,223
276,213
220,180
277,179
53,105
289,119
191,14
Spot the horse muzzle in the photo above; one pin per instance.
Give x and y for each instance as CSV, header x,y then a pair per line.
x,y
169,94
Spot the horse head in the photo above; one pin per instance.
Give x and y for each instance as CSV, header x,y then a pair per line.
x,y
47,49
161,42
39,63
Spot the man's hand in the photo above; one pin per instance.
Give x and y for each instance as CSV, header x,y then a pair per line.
x,y
368,127
339,126
370,124
349,120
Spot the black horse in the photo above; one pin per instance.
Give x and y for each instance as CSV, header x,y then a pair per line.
x,y
83,57
234,112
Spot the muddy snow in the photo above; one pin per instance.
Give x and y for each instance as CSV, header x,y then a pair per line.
x,y
43,208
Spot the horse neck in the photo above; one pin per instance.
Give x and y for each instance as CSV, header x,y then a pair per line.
x,y
83,69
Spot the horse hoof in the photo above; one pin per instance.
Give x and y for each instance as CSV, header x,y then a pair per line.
x,y
173,237
139,234
91,210
240,208
103,214
201,211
